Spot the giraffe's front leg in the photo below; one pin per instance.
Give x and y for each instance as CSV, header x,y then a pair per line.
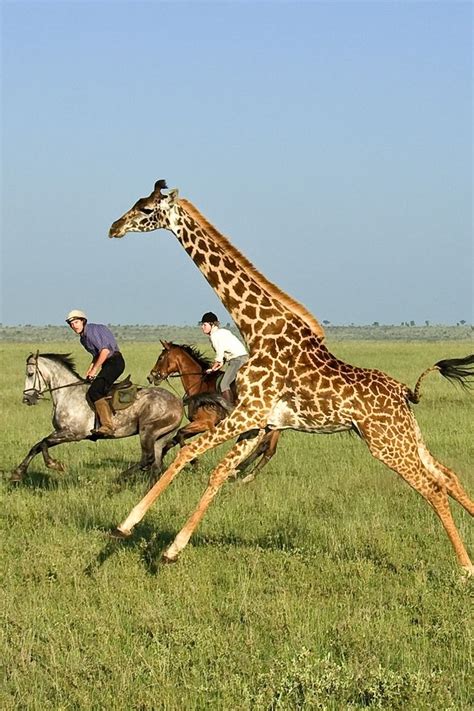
x,y
229,428
217,478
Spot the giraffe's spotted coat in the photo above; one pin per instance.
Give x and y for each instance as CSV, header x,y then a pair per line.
x,y
291,379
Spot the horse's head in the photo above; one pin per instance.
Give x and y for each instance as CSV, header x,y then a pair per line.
x,y
149,213
166,364
34,381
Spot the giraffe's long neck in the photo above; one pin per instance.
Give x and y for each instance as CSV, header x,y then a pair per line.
x,y
248,296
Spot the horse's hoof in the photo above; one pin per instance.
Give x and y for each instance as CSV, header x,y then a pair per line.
x,y
467,572
57,466
16,477
120,534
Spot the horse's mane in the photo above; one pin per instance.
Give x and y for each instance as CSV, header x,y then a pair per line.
x,y
271,289
64,359
192,351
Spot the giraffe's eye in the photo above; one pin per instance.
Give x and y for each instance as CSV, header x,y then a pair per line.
x,y
146,210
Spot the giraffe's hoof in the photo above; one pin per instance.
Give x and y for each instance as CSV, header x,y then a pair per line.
x,y
167,558
120,534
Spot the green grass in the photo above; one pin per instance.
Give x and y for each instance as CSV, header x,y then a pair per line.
x,y
327,583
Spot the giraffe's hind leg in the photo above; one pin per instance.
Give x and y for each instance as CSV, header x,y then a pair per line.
x,y
397,447
439,470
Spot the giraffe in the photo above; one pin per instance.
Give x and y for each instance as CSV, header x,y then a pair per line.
x,y
291,380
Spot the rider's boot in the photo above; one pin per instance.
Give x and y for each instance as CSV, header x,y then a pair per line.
x,y
104,413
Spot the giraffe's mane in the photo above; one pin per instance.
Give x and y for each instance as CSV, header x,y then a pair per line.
x,y
270,288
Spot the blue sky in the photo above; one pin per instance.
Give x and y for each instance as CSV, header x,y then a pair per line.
x,y
330,141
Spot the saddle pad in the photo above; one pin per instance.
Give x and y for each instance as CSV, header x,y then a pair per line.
x,y
124,397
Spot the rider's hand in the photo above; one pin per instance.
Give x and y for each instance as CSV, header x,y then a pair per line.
x,y
215,367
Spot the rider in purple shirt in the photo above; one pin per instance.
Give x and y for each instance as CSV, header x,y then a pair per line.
x,y
107,365
95,337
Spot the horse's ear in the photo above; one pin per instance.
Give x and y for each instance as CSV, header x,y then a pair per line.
x,y
165,344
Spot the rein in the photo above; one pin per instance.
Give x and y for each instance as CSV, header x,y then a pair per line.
x,y
179,375
50,390
38,377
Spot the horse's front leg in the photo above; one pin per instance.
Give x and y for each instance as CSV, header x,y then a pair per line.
x,y
52,440
205,421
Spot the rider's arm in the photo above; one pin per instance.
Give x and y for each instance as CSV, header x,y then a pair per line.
x,y
97,363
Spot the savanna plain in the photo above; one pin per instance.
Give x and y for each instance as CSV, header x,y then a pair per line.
x,y
327,583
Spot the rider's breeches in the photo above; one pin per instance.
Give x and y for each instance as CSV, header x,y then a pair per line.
x,y
108,374
231,371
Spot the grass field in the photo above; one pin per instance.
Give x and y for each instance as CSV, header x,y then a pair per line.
x,y
325,584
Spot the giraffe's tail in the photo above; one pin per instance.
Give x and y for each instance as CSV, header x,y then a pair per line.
x,y
457,370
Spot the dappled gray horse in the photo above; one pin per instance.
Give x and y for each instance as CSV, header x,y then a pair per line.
x,y
155,415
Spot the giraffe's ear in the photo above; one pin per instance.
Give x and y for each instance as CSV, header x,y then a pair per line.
x,y
173,195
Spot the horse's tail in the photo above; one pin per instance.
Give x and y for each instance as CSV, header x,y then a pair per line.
x,y
457,370
214,400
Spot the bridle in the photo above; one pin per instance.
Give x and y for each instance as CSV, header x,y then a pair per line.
x,y
35,391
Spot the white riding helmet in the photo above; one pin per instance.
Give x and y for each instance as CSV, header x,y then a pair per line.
x,y
75,313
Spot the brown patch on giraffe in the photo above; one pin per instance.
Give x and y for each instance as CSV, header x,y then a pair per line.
x,y
249,312
228,264
199,259
232,303
255,288
282,342
201,245
263,361
239,288
274,327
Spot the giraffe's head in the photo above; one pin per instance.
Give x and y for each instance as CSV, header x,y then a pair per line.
x,y
148,214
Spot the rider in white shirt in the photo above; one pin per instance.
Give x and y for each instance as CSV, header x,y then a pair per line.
x,y
228,350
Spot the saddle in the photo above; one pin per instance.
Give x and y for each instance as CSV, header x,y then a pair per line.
x,y
123,394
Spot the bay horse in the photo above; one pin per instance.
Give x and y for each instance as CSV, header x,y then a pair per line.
x,y
155,415
206,406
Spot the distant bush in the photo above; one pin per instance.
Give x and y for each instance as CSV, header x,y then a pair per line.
x,y
193,334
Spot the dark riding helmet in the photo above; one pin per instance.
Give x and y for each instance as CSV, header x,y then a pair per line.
x,y
209,317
